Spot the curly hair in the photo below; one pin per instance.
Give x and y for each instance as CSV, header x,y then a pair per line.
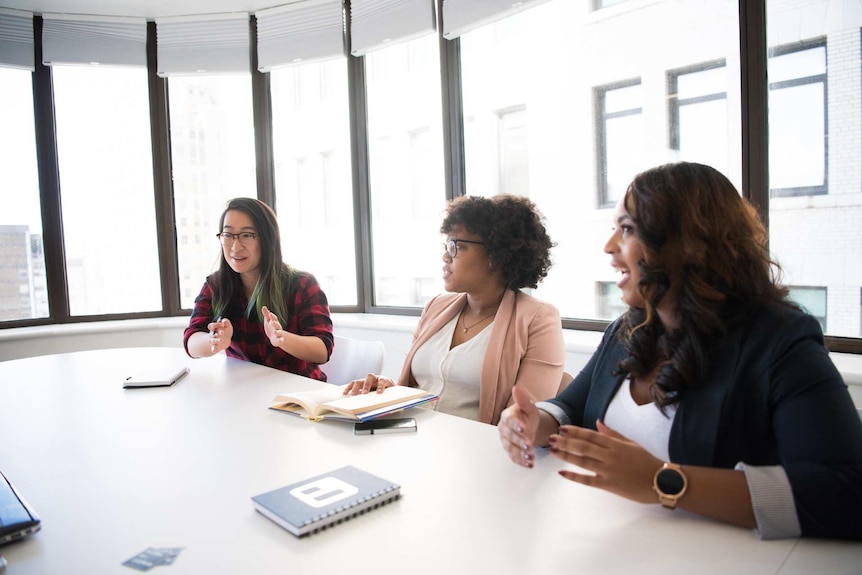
x,y
513,231
706,244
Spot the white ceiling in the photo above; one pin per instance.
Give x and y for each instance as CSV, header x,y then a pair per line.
x,y
149,9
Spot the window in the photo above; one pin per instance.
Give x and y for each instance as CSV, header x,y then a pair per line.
x,y
23,292
609,304
699,115
567,108
797,121
405,158
314,189
513,152
106,184
212,152
621,127
812,300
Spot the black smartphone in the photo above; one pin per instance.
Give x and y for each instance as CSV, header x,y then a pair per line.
x,y
391,425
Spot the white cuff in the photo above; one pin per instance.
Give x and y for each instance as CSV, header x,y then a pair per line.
x,y
772,501
554,411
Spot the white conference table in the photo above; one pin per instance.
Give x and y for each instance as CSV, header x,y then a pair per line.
x,y
112,472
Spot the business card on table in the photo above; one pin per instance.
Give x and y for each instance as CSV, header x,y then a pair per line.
x,y
153,557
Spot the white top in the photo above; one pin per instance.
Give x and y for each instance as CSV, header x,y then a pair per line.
x,y
643,424
453,374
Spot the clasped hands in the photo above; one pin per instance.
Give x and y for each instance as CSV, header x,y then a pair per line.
x,y
608,460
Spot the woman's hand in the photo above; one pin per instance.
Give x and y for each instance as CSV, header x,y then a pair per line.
x,y
370,383
619,465
221,333
272,327
517,427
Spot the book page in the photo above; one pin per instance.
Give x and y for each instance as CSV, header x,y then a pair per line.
x,y
356,404
310,400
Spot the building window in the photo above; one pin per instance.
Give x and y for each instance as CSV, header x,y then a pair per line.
x,y
609,303
697,97
797,120
812,300
620,133
513,152
23,291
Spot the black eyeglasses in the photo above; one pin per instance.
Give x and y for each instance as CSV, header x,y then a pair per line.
x,y
244,238
451,246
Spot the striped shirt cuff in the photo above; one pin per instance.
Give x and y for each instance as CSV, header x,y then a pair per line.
x,y
772,501
554,411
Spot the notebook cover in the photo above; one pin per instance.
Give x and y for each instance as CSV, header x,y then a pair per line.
x,y
318,502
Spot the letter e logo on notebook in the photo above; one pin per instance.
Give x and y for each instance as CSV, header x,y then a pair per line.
x,y
324,491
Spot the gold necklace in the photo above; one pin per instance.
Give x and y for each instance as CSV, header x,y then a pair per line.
x,y
466,327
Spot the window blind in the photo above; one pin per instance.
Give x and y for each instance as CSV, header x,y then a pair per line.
x,y
300,32
214,43
377,23
74,39
462,16
16,39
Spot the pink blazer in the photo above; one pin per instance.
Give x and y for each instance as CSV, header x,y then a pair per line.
x,y
525,348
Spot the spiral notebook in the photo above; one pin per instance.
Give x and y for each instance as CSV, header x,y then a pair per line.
x,y
328,499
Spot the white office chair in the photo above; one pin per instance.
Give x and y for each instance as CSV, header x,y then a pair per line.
x,y
353,359
564,382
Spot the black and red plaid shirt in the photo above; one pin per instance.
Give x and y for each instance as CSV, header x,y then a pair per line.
x,y
307,314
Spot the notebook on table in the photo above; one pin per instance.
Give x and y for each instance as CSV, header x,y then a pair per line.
x,y
17,518
327,499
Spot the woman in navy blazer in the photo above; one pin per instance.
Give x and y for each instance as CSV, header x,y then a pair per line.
x,y
714,392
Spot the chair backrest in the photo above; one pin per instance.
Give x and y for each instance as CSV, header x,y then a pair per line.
x,y
353,359
564,381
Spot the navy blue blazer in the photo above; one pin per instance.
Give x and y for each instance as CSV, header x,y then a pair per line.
x,y
772,397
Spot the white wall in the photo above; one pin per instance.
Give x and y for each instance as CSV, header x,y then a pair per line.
x,y
394,331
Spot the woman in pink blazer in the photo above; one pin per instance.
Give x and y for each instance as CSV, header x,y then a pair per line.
x,y
475,343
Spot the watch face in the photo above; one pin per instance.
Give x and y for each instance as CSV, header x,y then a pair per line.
x,y
670,481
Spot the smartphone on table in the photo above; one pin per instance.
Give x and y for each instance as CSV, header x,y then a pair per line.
x,y
390,425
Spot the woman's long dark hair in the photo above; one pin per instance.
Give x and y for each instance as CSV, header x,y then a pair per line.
x,y
707,245
275,275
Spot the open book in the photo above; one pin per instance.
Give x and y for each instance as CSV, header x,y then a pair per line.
x,y
330,402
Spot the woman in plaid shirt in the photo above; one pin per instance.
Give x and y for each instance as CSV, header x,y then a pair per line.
x,y
256,307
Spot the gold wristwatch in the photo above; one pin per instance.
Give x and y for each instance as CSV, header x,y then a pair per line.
x,y
670,483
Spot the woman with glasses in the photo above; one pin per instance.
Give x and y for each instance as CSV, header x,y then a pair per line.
x,y
714,392
256,307
474,344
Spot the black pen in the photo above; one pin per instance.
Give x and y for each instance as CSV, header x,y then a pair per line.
x,y
212,333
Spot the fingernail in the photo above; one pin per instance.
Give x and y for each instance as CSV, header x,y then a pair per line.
x,y
519,429
552,439
554,449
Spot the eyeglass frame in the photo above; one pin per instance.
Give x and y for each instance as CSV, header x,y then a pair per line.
x,y
454,243
227,237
